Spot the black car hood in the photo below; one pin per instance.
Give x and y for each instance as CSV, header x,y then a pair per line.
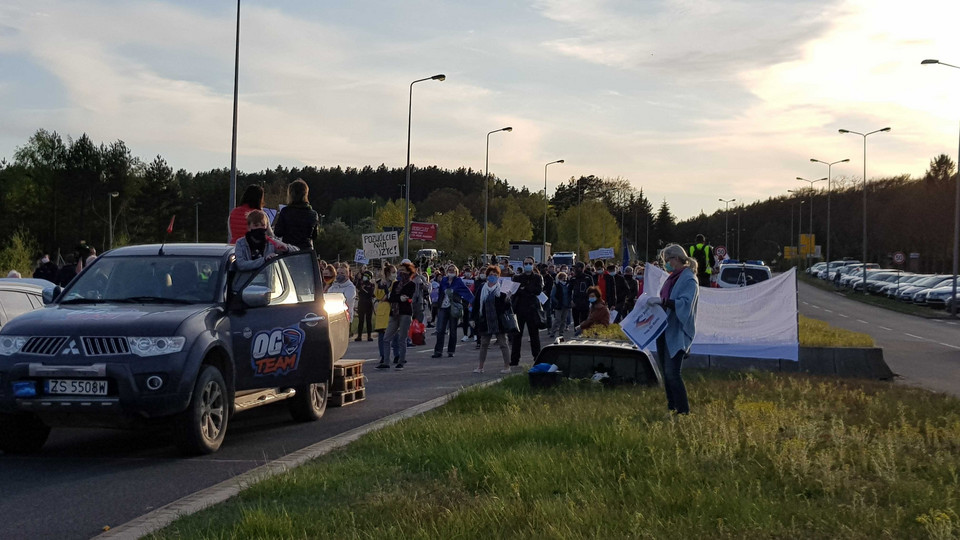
x,y
104,320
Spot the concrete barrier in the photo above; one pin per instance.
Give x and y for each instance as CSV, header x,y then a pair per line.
x,y
862,363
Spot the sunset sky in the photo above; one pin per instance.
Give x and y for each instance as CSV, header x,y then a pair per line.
x,y
691,100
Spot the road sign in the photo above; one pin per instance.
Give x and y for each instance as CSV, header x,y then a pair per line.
x,y
423,231
899,257
721,251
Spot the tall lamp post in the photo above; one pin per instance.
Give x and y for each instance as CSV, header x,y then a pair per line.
x,y
406,215
545,208
864,135
811,182
829,190
196,223
233,141
956,214
110,197
799,219
726,222
486,191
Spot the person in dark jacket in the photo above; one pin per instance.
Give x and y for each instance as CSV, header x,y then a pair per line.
x,y
607,284
527,307
599,312
549,273
452,290
489,306
297,222
579,284
621,286
47,270
401,310
365,290
632,291
560,300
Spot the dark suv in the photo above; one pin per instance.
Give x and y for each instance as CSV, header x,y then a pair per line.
x,y
150,335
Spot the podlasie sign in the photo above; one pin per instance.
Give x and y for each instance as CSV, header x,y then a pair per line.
x,y
423,231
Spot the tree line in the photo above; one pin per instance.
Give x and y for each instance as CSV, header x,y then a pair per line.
x,y
56,192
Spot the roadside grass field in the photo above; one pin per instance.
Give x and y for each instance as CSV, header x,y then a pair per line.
x,y
760,456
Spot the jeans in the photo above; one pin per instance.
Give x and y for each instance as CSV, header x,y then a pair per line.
x,y
672,381
580,315
443,322
385,349
560,317
365,316
532,324
398,328
501,342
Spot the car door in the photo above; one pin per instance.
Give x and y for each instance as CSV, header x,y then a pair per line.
x,y
283,343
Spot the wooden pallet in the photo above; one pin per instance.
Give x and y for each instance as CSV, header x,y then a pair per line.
x,y
348,384
347,368
340,399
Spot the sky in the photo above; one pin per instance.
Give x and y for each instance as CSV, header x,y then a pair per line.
x,y
690,100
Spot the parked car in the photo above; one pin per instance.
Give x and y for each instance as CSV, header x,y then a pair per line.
x,y
877,281
940,296
922,298
906,293
19,296
831,269
816,268
741,274
173,335
855,275
891,289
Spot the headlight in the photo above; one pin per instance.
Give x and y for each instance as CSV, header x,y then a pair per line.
x,y
155,346
11,344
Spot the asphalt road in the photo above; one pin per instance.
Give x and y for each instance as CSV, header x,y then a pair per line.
x,y
924,352
85,479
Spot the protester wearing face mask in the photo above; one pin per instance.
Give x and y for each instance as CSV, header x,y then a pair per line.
x,y
468,280
599,312
401,309
46,270
342,284
580,283
327,275
528,309
365,291
560,300
489,306
381,318
453,295
678,297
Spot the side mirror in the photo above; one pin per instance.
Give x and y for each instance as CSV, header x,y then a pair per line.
x,y
256,296
50,293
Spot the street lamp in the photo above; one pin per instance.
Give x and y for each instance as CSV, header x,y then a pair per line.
x,y
110,197
321,220
864,135
726,222
545,208
829,190
406,218
811,182
956,215
233,142
196,229
486,190
373,209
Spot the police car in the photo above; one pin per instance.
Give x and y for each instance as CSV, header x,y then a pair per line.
x,y
733,273
171,335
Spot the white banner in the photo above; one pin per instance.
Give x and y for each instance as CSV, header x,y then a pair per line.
x,y
602,253
359,258
383,245
759,321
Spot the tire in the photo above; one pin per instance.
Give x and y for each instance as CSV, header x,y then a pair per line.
x,y
201,428
310,402
22,433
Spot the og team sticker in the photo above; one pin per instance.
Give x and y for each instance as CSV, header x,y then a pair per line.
x,y
276,352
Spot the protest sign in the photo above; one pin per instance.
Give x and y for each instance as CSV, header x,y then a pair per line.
x,y
360,258
381,245
602,253
644,323
423,231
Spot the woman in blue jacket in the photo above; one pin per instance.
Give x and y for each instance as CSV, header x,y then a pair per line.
x,y
678,297
453,295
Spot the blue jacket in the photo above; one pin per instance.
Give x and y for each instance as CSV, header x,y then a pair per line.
x,y
681,318
459,288
560,295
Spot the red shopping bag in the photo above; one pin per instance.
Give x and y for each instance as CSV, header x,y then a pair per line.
x,y
417,332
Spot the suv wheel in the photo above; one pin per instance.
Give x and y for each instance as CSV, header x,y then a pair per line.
x,y
309,403
200,429
22,433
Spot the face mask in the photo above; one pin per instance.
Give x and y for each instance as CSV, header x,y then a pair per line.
x,y
528,268
45,260
592,299
503,267
365,278
667,266
492,278
341,279
467,275
451,274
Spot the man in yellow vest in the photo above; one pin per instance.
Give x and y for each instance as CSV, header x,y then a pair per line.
x,y
703,253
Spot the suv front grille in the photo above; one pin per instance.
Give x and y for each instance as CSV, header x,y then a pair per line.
x,y
43,345
105,346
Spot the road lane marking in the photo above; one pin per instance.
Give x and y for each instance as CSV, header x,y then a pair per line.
x,y
828,310
842,315
949,345
862,321
918,337
814,306
804,303
884,328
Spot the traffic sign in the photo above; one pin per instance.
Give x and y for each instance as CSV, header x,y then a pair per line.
x,y
721,251
899,257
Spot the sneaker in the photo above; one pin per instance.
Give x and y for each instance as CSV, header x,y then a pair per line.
x,y
464,339
478,370
369,338
505,370
396,359
359,338
449,355
381,365
436,355
399,366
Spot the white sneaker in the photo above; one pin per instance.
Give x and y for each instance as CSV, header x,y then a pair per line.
x,y
464,339
505,370
478,370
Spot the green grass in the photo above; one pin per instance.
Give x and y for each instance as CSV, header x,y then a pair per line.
x,y
815,333
880,301
761,456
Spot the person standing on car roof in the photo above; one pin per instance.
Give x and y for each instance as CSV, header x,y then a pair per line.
x,y
237,222
297,222
702,252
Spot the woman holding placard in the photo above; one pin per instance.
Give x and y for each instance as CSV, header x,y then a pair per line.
x,y
678,297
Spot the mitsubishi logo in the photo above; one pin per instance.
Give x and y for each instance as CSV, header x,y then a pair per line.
x,y
71,348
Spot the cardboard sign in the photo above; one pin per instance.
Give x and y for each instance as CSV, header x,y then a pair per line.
x,y
602,253
360,258
423,231
381,245
645,323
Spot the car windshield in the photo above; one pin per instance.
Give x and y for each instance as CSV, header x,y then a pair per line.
x,y
160,279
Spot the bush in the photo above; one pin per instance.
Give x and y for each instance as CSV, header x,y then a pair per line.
x,y
18,254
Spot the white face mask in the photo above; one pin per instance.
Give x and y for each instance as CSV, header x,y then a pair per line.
x,y
451,274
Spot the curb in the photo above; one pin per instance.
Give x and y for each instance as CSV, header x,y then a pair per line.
x,y
161,517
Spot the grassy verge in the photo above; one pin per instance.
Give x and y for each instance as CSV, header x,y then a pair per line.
x,y
762,456
813,333
880,301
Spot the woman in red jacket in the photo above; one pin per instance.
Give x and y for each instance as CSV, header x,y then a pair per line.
x,y
237,222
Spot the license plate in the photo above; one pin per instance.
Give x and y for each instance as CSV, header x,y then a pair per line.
x,y
77,387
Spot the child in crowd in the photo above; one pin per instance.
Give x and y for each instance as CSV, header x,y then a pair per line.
x,y
255,247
